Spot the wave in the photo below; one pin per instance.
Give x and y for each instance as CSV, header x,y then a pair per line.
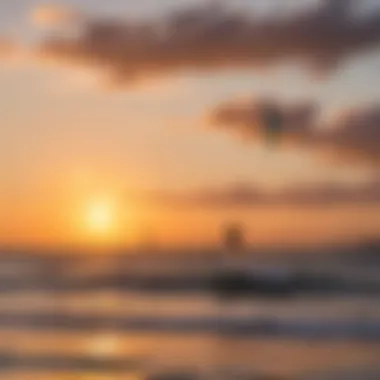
x,y
240,326
226,284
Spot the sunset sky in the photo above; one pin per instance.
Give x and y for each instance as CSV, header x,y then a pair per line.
x,y
109,127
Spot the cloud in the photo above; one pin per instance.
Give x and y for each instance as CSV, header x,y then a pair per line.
x,y
246,118
210,37
245,196
53,15
354,136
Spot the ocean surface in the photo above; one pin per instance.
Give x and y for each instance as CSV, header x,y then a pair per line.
x,y
171,316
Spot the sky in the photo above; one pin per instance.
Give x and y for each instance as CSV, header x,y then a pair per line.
x,y
133,118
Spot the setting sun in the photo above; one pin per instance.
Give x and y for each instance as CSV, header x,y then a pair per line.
x,y
100,216
101,219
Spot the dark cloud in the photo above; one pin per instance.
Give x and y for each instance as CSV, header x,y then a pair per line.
x,y
251,196
354,136
246,118
212,37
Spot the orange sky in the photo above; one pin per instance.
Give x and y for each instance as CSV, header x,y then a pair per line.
x,y
66,140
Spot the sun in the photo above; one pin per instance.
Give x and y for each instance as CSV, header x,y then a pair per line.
x,y
103,220
101,217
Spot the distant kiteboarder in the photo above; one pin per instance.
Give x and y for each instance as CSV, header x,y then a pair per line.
x,y
233,238
229,281
235,280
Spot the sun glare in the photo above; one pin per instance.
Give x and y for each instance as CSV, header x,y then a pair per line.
x,y
103,220
101,217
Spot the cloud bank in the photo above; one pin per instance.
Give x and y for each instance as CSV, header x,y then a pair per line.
x,y
210,38
352,137
245,196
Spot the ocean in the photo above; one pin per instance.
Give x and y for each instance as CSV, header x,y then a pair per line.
x,y
196,315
